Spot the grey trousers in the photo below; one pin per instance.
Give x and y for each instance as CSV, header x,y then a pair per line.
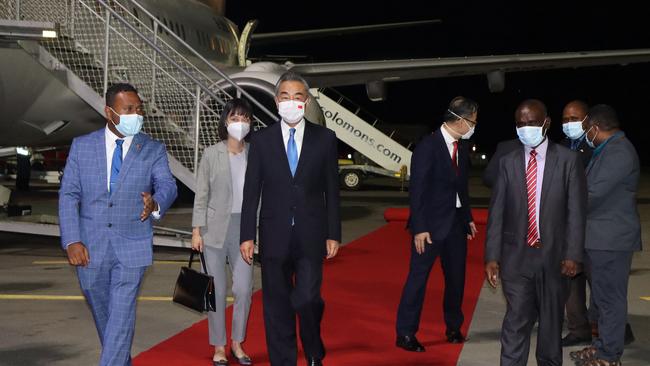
x,y
533,297
242,286
610,271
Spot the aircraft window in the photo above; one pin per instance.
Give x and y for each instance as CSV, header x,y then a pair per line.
x,y
135,12
213,43
183,31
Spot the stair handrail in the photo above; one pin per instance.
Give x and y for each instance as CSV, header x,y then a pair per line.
x,y
170,32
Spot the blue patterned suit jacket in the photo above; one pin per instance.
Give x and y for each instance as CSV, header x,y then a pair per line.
x,y
89,214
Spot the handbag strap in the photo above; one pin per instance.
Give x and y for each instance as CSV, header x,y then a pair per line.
x,y
202,260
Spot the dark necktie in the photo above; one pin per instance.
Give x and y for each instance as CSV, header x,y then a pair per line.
x,y
116,164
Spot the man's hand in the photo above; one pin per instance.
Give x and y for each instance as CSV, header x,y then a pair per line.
x,y
420,239
78,254
332,248
492,273
569,268
246,249
472,231
150,205
197,240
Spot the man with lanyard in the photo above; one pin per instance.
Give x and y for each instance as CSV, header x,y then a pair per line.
x,y
613,231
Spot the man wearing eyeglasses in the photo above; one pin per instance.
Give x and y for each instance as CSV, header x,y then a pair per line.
x,y
440,222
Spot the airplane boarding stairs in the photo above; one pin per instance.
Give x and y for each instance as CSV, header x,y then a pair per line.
x,y
384,147
103,42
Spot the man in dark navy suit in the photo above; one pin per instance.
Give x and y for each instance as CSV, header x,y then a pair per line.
x,y
293,168
440,222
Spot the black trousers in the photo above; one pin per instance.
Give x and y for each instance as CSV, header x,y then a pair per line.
x,y
291,286
535,296
610,273
453,254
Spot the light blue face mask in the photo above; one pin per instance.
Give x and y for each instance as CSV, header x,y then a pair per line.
x,y
531,136
573,130
130,124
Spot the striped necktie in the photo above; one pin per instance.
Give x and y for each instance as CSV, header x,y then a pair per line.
x,y
532,239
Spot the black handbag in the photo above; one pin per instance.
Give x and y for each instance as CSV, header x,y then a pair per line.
x,y
195,289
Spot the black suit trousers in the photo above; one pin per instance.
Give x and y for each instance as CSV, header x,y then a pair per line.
x,y
291,286
453,254
538,295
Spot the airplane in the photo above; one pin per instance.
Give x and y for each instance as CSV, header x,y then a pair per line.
x,y
37,116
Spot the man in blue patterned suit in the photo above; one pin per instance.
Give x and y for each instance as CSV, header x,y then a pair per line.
x,y
105,209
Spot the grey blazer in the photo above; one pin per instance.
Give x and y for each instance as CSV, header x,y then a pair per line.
x,y
612,182
213,196
561,216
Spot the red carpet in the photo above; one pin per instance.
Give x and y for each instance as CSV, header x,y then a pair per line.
x,y
361,288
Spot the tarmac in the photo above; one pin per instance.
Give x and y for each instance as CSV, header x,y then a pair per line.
x,y
45,321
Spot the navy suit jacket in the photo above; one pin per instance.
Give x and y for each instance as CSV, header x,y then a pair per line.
x,y
310,199
434,184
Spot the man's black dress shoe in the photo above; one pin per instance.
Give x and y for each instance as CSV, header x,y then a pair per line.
x,y
314,362
409,343
455,336
573,340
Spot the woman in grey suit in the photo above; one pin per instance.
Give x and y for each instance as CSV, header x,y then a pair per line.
x,y
216,221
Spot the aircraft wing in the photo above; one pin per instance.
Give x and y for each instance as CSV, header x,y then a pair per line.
x,y
364,72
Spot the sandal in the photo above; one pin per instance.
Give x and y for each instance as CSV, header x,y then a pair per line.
x,y
221,359
584,355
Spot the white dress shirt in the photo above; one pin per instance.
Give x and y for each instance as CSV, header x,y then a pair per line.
x,y
449,141
297,136
541,161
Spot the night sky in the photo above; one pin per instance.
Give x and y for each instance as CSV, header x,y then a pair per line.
x,y
480,28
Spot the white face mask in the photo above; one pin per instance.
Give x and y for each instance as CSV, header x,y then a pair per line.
x,y
467,135
130,124
573,130
291,111
531,136
238,130
469,132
